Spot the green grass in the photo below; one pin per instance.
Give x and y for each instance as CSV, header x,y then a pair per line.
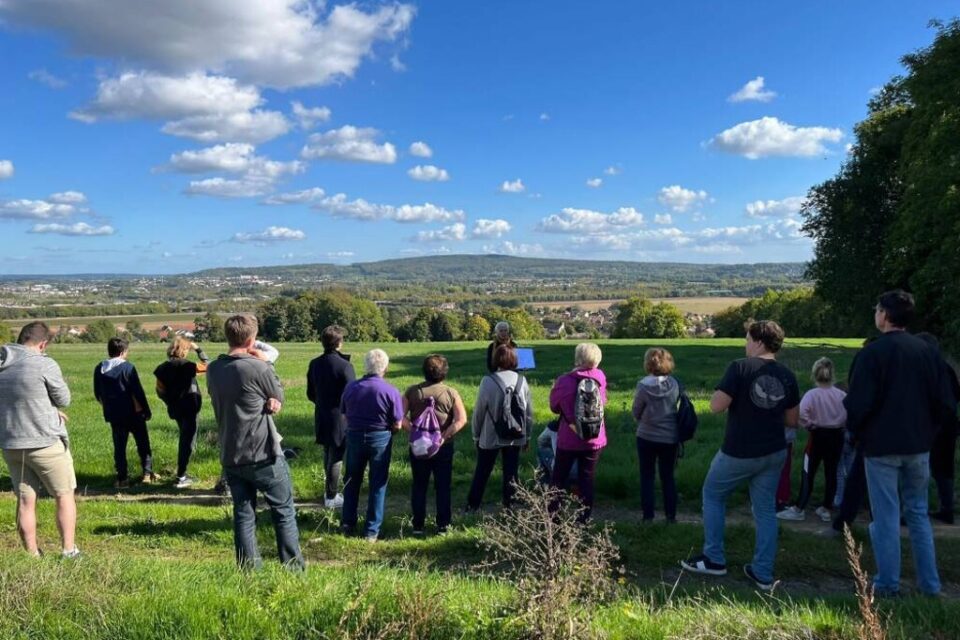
x,y
162,567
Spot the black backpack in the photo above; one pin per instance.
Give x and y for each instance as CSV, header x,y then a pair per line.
x,y
510,421
687,420
588,409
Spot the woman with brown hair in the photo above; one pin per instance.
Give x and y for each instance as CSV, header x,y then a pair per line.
x,y
177,387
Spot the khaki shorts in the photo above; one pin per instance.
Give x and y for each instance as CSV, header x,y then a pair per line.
x,y
51,468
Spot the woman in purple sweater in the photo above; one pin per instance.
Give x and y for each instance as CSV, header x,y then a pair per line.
x,y
578,397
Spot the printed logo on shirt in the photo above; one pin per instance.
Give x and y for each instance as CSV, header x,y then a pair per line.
x,y
767,392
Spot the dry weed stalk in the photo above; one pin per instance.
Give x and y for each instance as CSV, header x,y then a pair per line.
x,y
871,627
562,568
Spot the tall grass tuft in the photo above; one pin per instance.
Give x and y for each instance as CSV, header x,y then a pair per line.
x,y
871,627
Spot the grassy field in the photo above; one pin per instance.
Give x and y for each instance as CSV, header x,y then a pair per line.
x,y
159,562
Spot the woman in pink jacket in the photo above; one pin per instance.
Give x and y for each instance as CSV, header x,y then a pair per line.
x,y
578,397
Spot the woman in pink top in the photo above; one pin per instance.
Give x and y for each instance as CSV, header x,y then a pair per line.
x,y
822,413
578,397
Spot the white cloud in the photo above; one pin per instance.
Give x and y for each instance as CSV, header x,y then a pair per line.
x,y
154,96
544,117
77,229
252,127
428,173
514,249
484,228
585,221
297,197
276,43
753,91
309,117
785,208
663,218
6,169
770,137
339,206
595,183
396,64
226,188
349,143
34,210
613,171
45,77
681,200
270,234
515,186
68,197
454,233
232,158
421,150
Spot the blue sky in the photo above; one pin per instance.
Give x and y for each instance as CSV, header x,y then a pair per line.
x,y
166,137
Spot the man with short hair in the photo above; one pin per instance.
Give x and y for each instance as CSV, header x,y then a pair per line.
x,y
761,397
116,386
898,398
33,435
246,393
327,377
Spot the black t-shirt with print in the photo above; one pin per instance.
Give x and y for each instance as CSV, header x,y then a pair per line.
x,y
762,391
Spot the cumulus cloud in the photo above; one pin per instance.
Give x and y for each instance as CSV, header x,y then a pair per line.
x,y
453,233
663,218
595,183
785,208
515,186
228,188
428,173
309,117
68,197
485,228
252,127
276,43
681,200
349,143
6,169
613,171
45,77
421,150
359,209
585,221
753,91
297,197
34,210
76,229
258,175
771,137
514,249
269,235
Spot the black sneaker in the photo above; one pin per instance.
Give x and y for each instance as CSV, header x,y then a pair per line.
x,y
702,564
763,585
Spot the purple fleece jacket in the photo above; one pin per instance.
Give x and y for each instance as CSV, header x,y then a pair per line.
x,y
563,399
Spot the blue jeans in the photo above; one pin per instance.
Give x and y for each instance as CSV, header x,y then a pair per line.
x,y
363,448
725,475
912,474
272,478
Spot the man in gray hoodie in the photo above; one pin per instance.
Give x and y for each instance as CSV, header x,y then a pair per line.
x,y
33,435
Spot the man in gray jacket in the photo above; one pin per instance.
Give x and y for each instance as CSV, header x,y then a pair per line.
x,y
33,435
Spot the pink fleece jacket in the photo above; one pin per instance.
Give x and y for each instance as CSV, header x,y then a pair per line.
x,y
563,399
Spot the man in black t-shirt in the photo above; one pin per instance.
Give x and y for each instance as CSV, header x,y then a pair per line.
x,y
761,397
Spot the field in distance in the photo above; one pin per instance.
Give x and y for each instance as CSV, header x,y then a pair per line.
x,y
705,305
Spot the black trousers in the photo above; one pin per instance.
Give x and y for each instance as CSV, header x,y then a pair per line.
x,y
662,456
942,467
826,446
440,466
187,424
122,430
853,493
486,458
332,467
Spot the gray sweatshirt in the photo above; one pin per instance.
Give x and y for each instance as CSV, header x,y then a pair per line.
x,y
31,390
489,401
655,408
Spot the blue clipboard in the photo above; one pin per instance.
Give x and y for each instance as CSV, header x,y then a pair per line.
x,y
525,359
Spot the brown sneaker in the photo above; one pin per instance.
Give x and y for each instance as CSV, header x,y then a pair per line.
x,y
149,478
121,484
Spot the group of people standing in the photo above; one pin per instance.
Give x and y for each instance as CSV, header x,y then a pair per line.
x,y
902,397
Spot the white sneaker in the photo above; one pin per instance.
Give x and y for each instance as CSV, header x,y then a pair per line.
x,y
183,483
333,503
824,514
791,513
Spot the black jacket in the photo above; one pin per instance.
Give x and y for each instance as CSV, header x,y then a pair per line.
x,y
899,396
117,387
327,376
490,349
